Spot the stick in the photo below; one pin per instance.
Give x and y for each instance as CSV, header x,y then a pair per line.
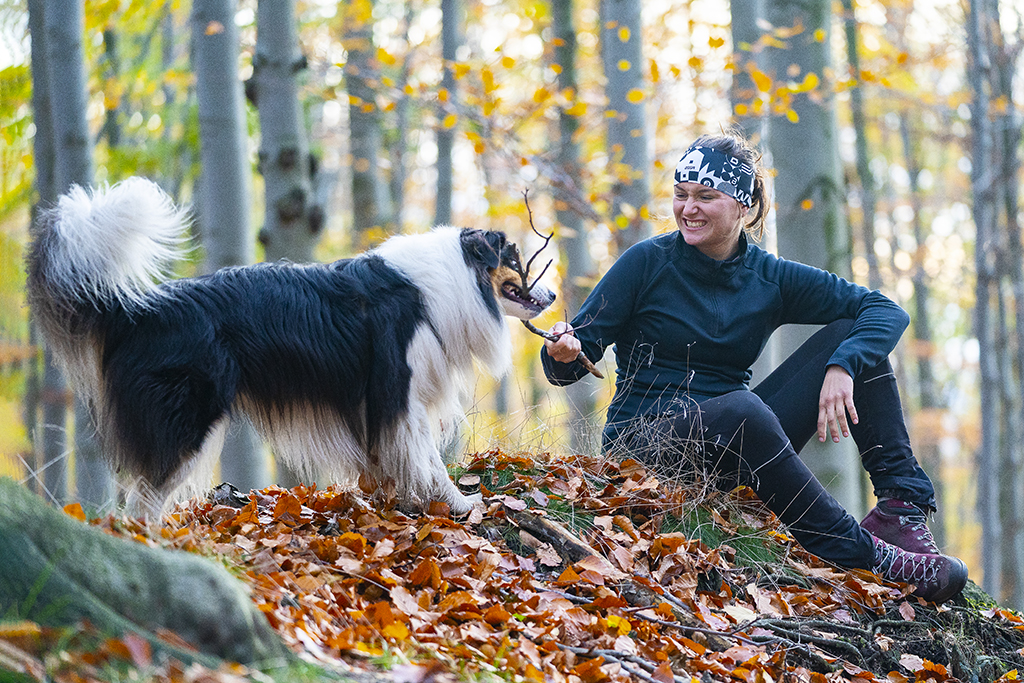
x,y
581,358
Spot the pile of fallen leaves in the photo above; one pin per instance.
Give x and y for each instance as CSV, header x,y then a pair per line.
x,y
582,570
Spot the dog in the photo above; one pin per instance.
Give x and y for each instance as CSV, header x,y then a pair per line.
x,y
351,368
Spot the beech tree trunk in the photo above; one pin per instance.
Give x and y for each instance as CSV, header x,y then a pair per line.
x,y
49,438
809,198
982,188
65,26
293,220
369,199
629,157
584,432
451,39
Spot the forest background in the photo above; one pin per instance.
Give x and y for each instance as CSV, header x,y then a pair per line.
x,y
314,129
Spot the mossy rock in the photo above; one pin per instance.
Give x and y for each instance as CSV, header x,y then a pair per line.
x,y
57,571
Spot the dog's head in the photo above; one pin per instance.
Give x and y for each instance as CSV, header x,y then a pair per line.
x,y
497,259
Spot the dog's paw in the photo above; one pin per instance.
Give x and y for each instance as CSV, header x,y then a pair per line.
x,y
468,503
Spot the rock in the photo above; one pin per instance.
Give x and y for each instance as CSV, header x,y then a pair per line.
x,y
57,571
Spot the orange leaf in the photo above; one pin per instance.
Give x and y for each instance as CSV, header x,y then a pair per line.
x,y
288,509
590,670
75,510
496,615
568,577
663,674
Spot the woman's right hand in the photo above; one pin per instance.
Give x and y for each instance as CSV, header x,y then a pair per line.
x,y
567,347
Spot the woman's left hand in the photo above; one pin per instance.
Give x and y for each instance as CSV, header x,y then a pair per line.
x,y
835,402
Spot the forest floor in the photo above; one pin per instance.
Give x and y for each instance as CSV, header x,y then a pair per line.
x,y
579,569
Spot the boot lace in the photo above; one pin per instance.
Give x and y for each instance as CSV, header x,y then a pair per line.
x,y
899,565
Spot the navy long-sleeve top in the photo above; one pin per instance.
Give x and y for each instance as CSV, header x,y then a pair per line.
x,y
686,325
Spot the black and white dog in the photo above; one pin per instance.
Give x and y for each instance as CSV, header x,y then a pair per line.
x,y
349,368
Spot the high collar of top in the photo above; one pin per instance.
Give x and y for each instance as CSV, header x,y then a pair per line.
x,y
703,265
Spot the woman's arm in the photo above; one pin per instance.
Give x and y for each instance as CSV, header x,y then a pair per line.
x,y
600,318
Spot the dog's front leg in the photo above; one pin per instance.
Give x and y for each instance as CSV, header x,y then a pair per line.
x,y
412,459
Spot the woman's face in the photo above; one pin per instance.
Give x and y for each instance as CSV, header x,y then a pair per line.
x,y
709,220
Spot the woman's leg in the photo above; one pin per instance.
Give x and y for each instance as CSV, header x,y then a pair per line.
x,y
739,440
792,392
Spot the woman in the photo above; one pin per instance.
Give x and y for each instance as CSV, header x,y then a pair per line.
x,y
688,314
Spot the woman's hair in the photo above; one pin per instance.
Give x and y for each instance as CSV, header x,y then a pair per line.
x,y
735,145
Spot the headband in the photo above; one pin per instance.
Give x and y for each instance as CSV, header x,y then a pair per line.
x,y
719,170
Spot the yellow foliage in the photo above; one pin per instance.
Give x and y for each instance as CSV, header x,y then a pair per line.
x,y
577,109
624,65
761,80
635,96
624,34
716,42
450,121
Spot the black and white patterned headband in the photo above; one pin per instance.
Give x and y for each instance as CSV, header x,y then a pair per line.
x,y
719,170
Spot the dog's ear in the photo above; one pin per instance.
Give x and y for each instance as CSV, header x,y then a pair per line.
x,y
484,246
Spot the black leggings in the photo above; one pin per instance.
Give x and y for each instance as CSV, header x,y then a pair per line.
x,y
753,437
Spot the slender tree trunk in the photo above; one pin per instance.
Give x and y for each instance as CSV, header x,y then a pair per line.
x,y
572,235
864,174
368,189
224,192
1012,271
630,162
112,98
65,26
929,407
51,442
809,197
743,94
293,221
401,142
982,187
451,39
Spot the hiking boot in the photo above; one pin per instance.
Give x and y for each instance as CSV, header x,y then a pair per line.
x,y
901,523
936,578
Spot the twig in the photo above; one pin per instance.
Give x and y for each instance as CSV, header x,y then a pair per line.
x,y
581,357
622,659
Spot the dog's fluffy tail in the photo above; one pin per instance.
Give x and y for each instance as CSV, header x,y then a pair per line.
x,y
98,251
109,246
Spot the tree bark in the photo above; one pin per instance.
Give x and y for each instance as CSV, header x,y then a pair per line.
x,y
451,38
982,188
368,189
802,140
743,94
65,25
572,235
629,157
292,219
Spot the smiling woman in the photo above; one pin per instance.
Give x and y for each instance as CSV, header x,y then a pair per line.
x,y
689,313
